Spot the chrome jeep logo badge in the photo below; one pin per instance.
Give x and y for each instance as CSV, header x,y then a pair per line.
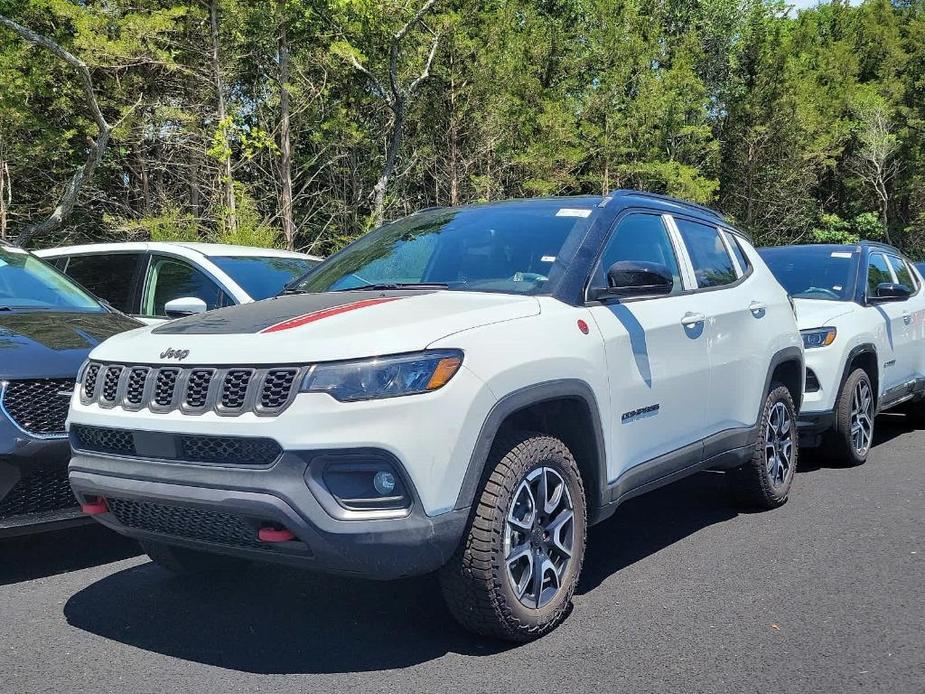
x,y
178,354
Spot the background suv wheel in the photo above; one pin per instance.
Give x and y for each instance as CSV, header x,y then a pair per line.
x,y
517,567
850,441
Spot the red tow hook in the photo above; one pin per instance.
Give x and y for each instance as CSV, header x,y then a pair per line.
x,y
95,508
269,534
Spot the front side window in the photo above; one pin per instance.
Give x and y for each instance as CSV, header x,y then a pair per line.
x,y
263,277
878,272
110,276
712,265
27,283
170,279
903,275
506,248
639,237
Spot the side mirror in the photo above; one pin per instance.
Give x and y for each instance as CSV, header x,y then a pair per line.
x,y
184,306
890,291
636,278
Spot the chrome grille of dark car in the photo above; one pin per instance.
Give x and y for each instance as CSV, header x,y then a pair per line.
x,y
193,390
38,406
37,492
189,523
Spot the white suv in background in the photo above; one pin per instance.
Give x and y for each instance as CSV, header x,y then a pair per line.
x,y
155,281
463,389
861,310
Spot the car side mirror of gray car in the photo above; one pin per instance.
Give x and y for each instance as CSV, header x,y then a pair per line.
x,y
634,279
891,291
184,306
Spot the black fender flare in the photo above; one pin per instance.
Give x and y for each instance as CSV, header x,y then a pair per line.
x,y
864,348
787,354
562,389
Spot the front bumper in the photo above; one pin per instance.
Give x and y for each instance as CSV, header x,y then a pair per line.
x,y
220,509
812,425
34,491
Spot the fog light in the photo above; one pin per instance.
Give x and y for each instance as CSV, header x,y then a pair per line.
x,y
384,482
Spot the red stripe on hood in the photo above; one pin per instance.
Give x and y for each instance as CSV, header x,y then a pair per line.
x,y
326,313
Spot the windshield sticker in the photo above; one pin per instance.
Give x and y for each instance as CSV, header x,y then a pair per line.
x,y
837,288
841,254
573,212
548,259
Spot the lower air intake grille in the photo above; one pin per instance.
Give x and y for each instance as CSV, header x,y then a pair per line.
x,y
188,523
229,450
47,490
103,439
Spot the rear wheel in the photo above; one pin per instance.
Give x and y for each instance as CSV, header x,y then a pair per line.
x,y
764,482
181,560
517,567
850,440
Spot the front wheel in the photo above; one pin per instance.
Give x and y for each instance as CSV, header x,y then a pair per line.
x,y
764,482
516,569
850,441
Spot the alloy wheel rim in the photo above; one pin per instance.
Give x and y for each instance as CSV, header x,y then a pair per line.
x,y
539,537
778,444
862,417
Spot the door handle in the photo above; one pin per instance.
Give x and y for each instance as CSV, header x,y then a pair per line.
x,y
689,320
758,308
907,317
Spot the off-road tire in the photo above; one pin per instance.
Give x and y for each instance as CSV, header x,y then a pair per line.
x,y
475,582
752,484
181,560
837,445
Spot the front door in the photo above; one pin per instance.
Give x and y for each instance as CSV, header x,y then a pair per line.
x,y
656,352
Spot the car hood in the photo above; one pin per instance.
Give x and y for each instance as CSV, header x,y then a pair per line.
x,y
306,328
816,313
51,344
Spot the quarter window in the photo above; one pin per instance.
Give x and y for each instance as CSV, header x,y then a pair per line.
x,y
170,279
878,271
712,265
639,237
110,276
736,244
903,276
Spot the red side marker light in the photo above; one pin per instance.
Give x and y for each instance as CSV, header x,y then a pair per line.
x,y
95,508
275,535
583,327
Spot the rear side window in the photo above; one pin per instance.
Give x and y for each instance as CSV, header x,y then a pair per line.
x,y
903,275
110,276
878,272
712,265
735,243
639,237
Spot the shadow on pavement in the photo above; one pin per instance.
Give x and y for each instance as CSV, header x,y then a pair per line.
x,y
889,426
271,619
39,555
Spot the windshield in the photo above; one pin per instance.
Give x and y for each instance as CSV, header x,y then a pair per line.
x,y
263,277
814,272
28,283
506,248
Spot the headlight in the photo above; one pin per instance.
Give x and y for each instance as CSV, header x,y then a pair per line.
x,y
818,337
383,377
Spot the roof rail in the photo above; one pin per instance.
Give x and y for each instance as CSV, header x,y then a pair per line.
x,y
666,198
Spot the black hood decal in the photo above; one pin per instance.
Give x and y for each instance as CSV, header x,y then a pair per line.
x,y
273,314
52,344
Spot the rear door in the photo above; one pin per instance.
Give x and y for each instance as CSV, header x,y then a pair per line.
x,y
909,345
656,351
113,277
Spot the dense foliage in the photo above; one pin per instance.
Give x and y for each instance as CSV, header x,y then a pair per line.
x,y
801,126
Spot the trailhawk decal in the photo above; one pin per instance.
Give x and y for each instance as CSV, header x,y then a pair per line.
x,y
307,318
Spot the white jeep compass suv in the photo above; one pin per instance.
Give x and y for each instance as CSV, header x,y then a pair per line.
x,y
463,389
861,310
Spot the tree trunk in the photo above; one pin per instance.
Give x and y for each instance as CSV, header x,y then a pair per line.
x,y
379,190
5,195
285,145
227,182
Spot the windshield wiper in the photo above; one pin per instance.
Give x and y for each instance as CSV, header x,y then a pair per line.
x,y
395,285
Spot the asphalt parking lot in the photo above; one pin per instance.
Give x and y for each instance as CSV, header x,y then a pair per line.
x,y
680,594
